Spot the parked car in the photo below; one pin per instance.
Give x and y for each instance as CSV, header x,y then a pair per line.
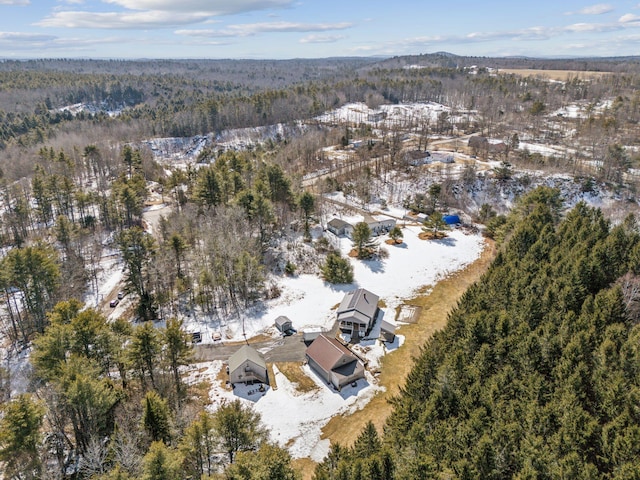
x,y
114,303
121,295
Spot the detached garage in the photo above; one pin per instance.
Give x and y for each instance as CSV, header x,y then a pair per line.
x,y
334,362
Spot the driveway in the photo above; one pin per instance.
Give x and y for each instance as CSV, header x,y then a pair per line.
x,y
277,350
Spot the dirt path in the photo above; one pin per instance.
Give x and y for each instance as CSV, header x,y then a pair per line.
x,y
435,308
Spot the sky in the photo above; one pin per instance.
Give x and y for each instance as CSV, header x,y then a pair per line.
x,y
281,29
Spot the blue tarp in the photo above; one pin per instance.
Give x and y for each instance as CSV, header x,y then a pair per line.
x,y
451,219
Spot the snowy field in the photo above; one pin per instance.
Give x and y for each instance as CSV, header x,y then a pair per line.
x,y
309,301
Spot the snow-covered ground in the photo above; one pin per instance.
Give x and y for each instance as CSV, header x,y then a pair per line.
x,y
307,300
401,115
295,420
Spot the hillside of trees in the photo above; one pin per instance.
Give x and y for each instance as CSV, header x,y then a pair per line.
x,y
536,374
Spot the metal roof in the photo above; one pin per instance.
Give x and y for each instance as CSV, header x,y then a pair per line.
x,y
360,300
329,354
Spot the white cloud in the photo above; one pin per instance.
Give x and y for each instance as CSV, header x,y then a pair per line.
x,y
321,38
25,37
15,2
212,7
629,18
112,20
249,29
591,27
149,14
598,9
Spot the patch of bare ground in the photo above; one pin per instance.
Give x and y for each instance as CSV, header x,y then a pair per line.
x,y
294,373
558,75
306,466
434,307
391,241
431,235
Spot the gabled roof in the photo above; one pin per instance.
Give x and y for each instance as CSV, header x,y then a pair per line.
x,y
242,355
338,223
329,354
282,319
359,300
353,316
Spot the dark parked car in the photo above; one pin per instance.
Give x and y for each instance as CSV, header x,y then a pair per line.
x,y
114,303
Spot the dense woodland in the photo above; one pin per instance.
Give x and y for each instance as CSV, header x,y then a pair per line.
x,y
535,375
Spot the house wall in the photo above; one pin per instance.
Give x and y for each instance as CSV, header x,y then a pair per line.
x,y
335,381
255,373
318,369
350,325
284,326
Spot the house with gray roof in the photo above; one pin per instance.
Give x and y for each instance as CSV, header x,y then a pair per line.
x,y
334,362
357,312
247,366
339,227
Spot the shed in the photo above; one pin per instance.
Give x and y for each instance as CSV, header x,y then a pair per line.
x,y
247,366
334,362
283,323
387,331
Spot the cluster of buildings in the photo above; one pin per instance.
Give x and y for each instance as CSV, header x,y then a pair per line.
x,y
377,225
330,358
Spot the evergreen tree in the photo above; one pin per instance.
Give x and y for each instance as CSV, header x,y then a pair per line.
x,y
138,251
362,240
198,446
161,463
143,352
435,225
337,269
269,462
238,428
396,234
156,418
20,438
178,350
307,205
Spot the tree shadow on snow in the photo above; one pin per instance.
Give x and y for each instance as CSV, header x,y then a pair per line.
x,y
376,266
446,241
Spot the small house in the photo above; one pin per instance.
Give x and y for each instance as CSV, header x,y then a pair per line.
x,y
380,225
334,362
415,158
247,366
357,312
387,331
339,227
283,323
376,116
